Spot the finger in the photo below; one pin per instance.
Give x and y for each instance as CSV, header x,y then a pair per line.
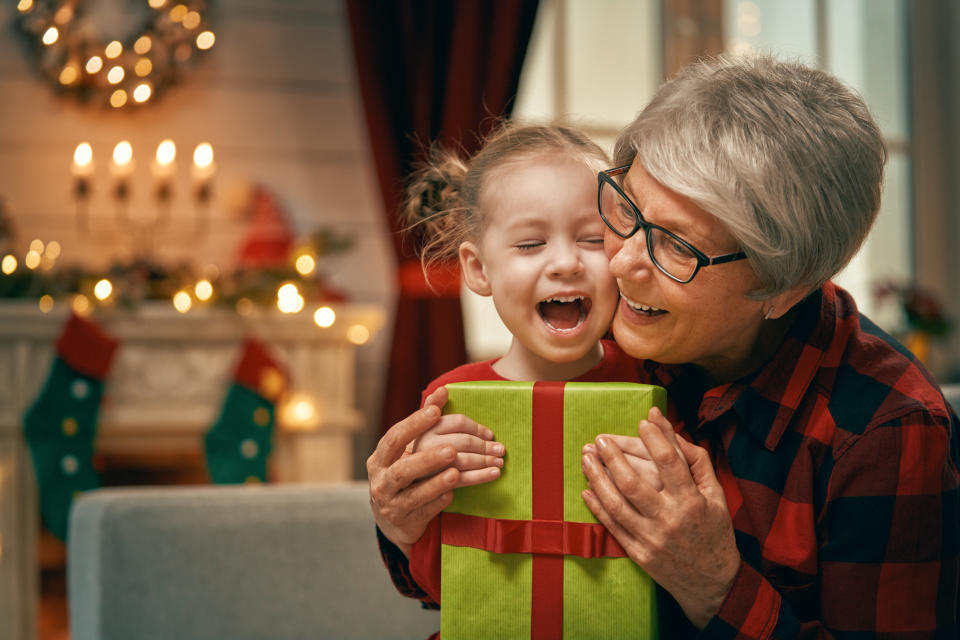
x,y
478,476
429,510
626,539
701,469
620,490
437,399
463,443
672,464
471,461
404,472
656,417
628,444
459,423
424,492
395,440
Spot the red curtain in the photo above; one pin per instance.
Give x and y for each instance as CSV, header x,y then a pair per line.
x,y
430,70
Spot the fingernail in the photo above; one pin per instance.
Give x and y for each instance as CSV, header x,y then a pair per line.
x,y
602,442
587,462
589,448
432,411
487,434
498,462
498,449
494,473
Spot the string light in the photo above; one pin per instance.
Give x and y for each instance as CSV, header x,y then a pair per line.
x,y
142,92
53,250
45,303
191,20
324,317
156,4
31,260
36,245
182,301
123,153
244,306
9,264
24,6
143,67
115,75
113,50
305,264
178,12
205,40
143,45
94,64
203,290
289,299
50,36
358,334
118,98
102,289
203,155
80,304
69,75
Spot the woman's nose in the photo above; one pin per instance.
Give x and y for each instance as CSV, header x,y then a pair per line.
x,y
627,255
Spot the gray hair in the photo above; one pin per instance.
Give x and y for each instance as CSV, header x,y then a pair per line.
x,y
786,156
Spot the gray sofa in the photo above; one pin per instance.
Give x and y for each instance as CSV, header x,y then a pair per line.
x,y
275,562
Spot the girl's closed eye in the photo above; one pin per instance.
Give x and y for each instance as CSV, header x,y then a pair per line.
x,y
529,245
592,240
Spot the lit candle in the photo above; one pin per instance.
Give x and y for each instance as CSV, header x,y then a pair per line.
x,y
122,159
83,160
203,166
163,166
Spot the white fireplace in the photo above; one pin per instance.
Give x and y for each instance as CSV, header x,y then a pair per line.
x,y
165,389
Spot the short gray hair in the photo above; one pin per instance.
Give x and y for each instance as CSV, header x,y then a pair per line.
x,y
786,156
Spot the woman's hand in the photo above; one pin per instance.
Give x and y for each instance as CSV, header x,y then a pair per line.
x,y
407,489
676,527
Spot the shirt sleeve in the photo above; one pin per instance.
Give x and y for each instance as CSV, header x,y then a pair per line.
x,y
399,568
888,551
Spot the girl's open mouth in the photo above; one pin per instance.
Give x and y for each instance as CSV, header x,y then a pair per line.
x,y
564,313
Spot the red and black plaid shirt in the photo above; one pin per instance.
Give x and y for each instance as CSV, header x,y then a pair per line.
x,y
839,460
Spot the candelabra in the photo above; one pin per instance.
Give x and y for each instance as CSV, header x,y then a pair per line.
x,y
144,228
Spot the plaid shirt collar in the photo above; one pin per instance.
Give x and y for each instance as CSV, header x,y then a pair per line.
x,y
766,400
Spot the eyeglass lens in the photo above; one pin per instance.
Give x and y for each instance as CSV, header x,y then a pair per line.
x,y
671,255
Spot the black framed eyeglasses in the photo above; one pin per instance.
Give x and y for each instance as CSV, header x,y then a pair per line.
x,y
673,255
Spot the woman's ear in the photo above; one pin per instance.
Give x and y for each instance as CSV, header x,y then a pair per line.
x,y
472,269
778,306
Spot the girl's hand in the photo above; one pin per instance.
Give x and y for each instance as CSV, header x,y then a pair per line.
x,y
479,459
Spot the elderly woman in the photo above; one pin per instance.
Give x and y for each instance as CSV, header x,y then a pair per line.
x,y
806,481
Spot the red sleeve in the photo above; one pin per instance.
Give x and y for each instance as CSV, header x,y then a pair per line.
x,y
425,560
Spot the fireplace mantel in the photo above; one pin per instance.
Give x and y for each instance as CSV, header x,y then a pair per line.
x,y
165,389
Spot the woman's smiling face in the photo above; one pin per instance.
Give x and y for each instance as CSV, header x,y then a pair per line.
x,y
709,322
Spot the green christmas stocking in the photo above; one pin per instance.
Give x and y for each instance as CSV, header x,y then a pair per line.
x,y
61,424
238,444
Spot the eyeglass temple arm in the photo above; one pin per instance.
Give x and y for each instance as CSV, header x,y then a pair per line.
x,y
730,257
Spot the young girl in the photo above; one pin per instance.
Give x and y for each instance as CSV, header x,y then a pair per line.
x,y
521,217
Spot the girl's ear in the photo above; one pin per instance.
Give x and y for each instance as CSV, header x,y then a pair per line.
x,y
472,269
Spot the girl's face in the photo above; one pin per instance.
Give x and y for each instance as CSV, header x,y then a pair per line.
x,y
541,257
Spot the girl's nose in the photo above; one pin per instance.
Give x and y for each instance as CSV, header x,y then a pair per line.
x,y
565,261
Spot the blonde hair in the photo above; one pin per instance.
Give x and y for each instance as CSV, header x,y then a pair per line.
x,y
786,156
444,194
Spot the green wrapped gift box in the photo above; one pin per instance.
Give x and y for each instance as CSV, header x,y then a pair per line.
x,y
523,556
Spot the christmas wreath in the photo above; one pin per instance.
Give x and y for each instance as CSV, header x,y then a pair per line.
x,y
91,52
